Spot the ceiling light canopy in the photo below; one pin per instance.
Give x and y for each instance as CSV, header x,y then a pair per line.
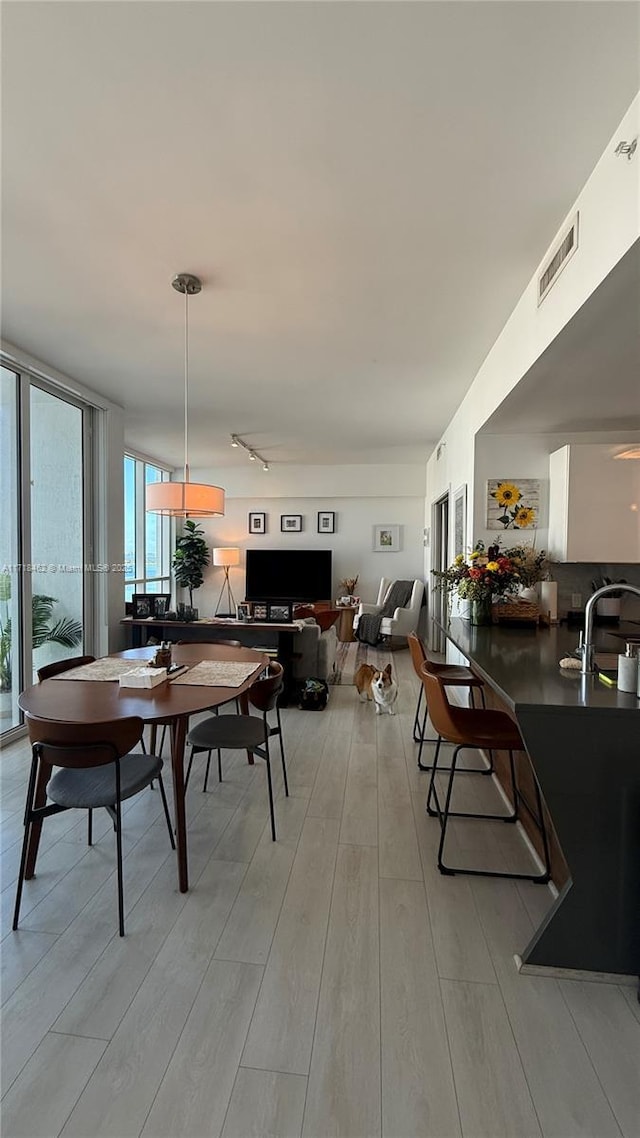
x,y
185,499
236,441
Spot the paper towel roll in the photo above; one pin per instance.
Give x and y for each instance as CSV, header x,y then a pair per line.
x,y
549,599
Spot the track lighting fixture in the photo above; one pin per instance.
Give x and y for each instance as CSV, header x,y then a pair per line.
x,y
236,441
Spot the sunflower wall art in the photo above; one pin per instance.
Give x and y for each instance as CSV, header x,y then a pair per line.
x,y
513,503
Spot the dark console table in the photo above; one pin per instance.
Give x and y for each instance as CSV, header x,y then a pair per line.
x,y
253,634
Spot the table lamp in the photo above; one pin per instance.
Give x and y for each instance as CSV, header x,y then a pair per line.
x,y
226,557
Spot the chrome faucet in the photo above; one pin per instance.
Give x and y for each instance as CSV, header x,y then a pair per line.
x,y
586,648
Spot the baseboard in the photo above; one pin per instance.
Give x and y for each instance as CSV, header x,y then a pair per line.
x,y
574,974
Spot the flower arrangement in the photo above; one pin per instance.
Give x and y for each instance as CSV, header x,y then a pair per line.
x,y
483,574
349,585
531,565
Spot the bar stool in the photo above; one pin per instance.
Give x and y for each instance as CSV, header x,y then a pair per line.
x,y
478,729
456,676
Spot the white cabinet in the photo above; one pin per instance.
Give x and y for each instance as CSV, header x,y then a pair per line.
x,y
594,504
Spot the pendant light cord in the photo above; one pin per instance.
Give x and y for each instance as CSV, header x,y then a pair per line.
x,y
186,384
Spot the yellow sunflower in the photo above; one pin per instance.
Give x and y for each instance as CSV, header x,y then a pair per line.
x,y
507,494
524,517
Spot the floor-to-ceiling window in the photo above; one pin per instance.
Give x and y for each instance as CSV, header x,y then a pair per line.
x,y
10,576
146,536
45,538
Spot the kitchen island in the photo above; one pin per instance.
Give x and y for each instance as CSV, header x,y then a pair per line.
x,y
583,741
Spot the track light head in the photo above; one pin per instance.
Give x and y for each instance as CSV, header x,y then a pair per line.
x,y
252,457
265,466
234,441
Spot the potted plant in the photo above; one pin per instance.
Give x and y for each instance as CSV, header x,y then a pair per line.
x,y
66,631
189,561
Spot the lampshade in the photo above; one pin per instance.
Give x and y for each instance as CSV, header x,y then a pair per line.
x,y
185,499
229,556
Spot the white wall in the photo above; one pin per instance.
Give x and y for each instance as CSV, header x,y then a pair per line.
x,y
360,496
609,224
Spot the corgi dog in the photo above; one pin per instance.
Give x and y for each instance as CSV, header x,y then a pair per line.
x,y
378,686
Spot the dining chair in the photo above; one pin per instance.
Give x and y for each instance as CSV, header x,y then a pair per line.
x,y
95,768
478,729
245,732
48,670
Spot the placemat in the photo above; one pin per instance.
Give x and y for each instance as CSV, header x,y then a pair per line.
x,y
216,674
107,669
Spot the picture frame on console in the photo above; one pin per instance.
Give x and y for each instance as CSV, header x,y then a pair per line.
x,y
279,612
257,523
291,523
260,610
142,605
161,605
243,612
326,521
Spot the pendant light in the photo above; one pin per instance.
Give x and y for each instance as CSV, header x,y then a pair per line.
x,y
185,499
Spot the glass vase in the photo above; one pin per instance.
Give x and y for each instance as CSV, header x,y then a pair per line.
x,y
481,611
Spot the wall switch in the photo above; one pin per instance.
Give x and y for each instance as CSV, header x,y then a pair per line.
x,y
576,600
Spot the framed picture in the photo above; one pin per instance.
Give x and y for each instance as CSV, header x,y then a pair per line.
x,y
513,503
386,539
142,605
260,610
291,523
459,520
326,521
280,612
257,523
243,612
161,604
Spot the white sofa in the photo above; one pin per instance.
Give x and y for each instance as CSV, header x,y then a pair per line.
x,y
404,620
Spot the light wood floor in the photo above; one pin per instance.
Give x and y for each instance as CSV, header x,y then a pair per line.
x,y
332,983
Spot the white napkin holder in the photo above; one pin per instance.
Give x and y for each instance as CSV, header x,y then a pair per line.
x,y
143,677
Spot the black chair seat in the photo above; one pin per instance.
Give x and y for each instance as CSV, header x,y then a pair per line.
x,y
86,789
232,731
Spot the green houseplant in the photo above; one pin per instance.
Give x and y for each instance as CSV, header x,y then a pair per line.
x,y
189,561
66,631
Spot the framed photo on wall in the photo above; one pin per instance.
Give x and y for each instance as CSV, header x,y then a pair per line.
x,y
386,539
142,605
257,523
291,523
459,520
326,521
279,612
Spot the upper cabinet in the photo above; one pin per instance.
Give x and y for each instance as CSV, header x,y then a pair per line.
x,y
594,504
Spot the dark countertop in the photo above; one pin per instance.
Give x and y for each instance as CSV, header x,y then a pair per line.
x,y
521,664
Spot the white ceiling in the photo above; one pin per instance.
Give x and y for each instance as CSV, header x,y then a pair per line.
x,y
364,188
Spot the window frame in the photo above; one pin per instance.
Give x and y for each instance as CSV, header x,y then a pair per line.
x,y
141,582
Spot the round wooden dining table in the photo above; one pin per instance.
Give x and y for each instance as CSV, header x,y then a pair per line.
x,y
95,701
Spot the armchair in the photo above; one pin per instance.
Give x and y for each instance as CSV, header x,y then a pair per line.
x,y
403,620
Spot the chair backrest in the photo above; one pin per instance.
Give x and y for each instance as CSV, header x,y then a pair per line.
x,y
444,717
84,744
264,693
418,653
49,670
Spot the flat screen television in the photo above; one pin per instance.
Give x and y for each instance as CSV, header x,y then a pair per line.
x,y
288,575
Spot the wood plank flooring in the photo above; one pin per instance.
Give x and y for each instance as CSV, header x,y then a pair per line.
x,y
333,984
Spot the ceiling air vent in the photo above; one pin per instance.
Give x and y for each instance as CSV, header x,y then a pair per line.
x,y
563,252
440,451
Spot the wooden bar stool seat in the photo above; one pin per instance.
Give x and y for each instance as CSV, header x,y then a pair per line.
x,y
477,729
454,675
